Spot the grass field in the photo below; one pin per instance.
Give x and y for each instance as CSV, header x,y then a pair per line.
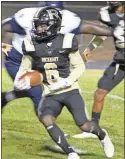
x,y
23,137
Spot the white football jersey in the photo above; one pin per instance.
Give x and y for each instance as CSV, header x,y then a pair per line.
x,y
24,18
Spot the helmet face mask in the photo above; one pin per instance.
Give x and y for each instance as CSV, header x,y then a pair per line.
x,y
46,24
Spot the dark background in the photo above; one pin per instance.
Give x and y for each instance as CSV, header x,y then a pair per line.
x,y
86,10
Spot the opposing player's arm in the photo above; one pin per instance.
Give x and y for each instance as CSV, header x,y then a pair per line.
x,y
95,42
104,18
94,29
11,26
14,24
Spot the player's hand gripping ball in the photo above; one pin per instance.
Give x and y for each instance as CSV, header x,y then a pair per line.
x,y
34,77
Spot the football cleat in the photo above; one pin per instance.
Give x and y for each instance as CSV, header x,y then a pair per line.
x,y
73,155
84,135
107,145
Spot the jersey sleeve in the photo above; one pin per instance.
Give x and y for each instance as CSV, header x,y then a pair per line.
x,y
70,22
78,66
26,63
21,18
76,61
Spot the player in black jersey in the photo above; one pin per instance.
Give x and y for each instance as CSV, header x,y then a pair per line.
x,y
52,54
113,16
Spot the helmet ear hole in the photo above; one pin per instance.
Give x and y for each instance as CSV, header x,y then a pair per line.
x,y
52,18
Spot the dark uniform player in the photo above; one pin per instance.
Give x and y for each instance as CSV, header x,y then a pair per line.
x,y
52,54
113,16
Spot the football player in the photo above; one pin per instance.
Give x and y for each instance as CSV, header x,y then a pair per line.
x,y
52,53
21,25
113,16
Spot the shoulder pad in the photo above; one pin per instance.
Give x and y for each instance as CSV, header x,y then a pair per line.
x,y
67,41
104,8
29,44
70,21
20,14
104,14
25,16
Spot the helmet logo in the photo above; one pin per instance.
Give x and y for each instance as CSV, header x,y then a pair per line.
x,y
53,13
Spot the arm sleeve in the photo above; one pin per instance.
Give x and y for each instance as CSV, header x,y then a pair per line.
x,y
26,65
95,42
77,65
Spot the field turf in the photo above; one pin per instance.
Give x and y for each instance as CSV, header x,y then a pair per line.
x,y
23,137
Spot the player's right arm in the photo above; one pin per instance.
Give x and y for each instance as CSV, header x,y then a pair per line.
x,y
25,66
26,63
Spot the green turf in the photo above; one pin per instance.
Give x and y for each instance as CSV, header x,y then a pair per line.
x,y
23,137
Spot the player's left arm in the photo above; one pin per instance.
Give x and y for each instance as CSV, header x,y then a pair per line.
x,y
76,62
78,66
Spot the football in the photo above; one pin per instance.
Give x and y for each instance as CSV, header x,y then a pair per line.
x,y
35,77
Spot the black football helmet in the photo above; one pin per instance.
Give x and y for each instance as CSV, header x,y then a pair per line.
x,y
49,19
115,4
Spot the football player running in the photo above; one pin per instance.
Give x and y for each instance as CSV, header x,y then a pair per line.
x,y
21,25
113,16
52,53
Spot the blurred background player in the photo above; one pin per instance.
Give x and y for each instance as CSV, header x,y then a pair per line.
x,y
113,16
21,25
52,54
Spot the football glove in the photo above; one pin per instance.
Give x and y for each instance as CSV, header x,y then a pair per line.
x,y
60,84
21,84
6,48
